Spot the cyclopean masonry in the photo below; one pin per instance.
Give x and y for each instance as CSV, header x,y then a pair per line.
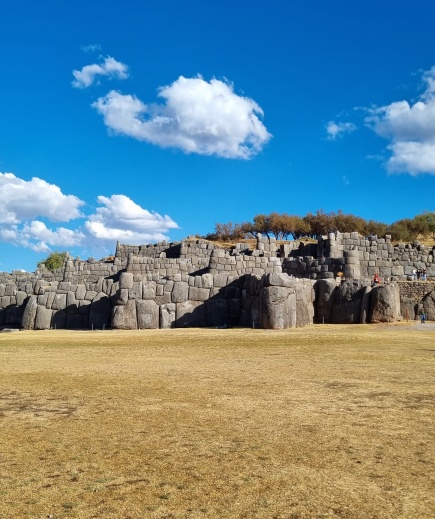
x,y
195,283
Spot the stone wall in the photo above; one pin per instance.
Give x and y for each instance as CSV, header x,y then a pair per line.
x,y
195,283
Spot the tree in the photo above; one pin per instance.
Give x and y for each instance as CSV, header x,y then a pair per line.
x,y
54,260
426,221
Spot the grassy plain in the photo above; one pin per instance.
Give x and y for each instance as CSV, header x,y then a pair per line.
x,y
320,422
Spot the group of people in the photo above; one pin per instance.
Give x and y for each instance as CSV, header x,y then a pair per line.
x,y
419,274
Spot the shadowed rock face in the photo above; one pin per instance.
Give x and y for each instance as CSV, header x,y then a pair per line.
x,y
385,304
347,301
429,306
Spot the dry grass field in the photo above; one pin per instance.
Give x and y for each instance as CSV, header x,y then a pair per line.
x,y
320,422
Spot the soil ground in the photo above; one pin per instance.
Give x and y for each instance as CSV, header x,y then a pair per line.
x,y
319,422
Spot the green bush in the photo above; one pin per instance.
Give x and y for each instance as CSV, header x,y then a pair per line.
x,y
54,261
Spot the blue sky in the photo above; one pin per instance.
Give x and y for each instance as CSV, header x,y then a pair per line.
x,y
139,120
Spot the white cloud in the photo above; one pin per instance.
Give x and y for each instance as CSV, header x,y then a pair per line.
x,y
23,204
197,116
122,219
109,68
410,128
37,236
334,129
26,200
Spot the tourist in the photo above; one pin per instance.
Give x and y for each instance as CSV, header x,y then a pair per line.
x,y
418,274
422,317
414,274
376,280
424,275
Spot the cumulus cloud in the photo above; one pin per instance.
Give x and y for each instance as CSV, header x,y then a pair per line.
x,y
120,218
109,68
25,200
196,116
410,128
25,203
334,129
37,236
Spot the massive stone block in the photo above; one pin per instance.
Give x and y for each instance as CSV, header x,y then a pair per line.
x,y
28,320
124,316
190,314
324,299
385,304
277,308
180,292
43,318
100,311
429,306
167,315
147,314
347,300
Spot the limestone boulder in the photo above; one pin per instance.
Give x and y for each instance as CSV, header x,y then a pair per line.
x,y
190,314
43,318
277,307
429,306
346,307
147,314
180,292
167,315
385,304
124,317
28,320
324,299
100,311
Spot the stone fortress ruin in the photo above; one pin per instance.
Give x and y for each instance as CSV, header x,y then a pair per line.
x,y
194,283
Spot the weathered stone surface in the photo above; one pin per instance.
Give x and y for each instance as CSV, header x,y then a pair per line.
x,y
199,294
100,312
149,290
90,294
277,309
71,302
180,292
278,279
59,302
28,320
43,318
190,314
304,304
167,315
124,316
408,308
126,280
207,281
385,304
365,305
347,300
429,306
21,297
324,299
80,292
147,314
